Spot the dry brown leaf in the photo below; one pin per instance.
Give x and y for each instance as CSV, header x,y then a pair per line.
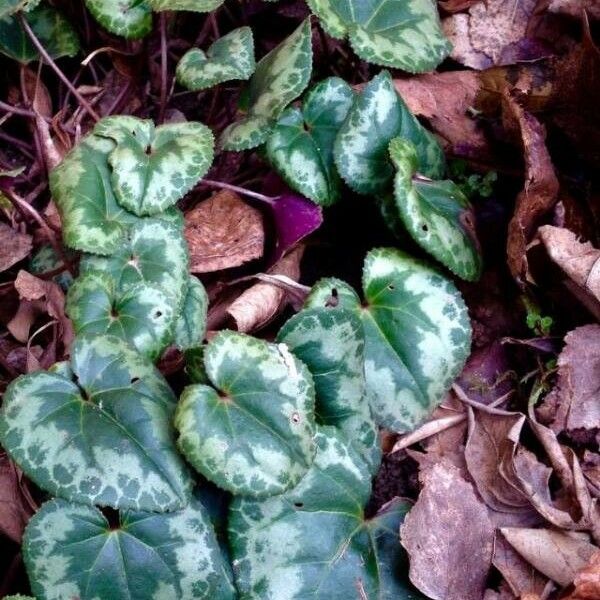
x,y
14,508
223,232
448,536
517,572
39,296
452,6
556,554
444,99
482,37
15,246
540,191
580,261
261,303
591,471
578,385
587,581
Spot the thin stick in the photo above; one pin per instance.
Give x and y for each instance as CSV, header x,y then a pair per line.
x,y
462,396
240,190
40,48
163,67
16,110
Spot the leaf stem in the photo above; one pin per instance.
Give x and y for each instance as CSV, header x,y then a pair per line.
x,y
163,67
240,190
40,48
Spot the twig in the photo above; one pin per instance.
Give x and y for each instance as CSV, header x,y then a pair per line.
x,y
16,110
163,67
240,190
40,48
462,396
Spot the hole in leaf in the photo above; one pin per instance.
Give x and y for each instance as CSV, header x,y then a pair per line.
x,y
157,314
298,504
148,150
295,418
333,299
391,286
424,228
134,380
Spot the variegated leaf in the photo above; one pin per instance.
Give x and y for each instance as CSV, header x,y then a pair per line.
x,y
314,541
300,146
253,434
202,6
153,167
417,334
190,325
154,252
19,597
402,34
100,436
377,116
437,214
280,77
45,260
331,344
143,315
131,19
194,365
230,57
92,220
53,30
10,7
72,551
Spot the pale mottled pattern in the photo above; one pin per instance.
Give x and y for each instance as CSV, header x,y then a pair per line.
x,y
254,435
280,77
331,344
300,146
190,325
152,167
202,6
143,315
230,57
377,116
114,395
128,18
403,34
434,214
313,541
71,551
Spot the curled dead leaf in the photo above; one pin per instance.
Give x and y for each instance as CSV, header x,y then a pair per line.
x,y
448,536
223,232
558,555
540,190
16,506
587,581
262,302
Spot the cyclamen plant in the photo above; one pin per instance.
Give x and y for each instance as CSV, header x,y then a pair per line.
x,y
289,430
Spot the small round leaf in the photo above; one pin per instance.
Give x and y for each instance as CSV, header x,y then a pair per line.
x,y
100,436
253,434
230,57
72,551
153,167
143,315
131,19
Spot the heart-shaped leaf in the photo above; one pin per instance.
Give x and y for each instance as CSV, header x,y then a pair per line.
x,y
102,436
230,57
331,344
92,220
314,541
377,116
394,33
190,325
202,6
153,167
143,315
154,252
52,29
253,434
280,77
131,19
417,334
300,146
72,551
437,214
